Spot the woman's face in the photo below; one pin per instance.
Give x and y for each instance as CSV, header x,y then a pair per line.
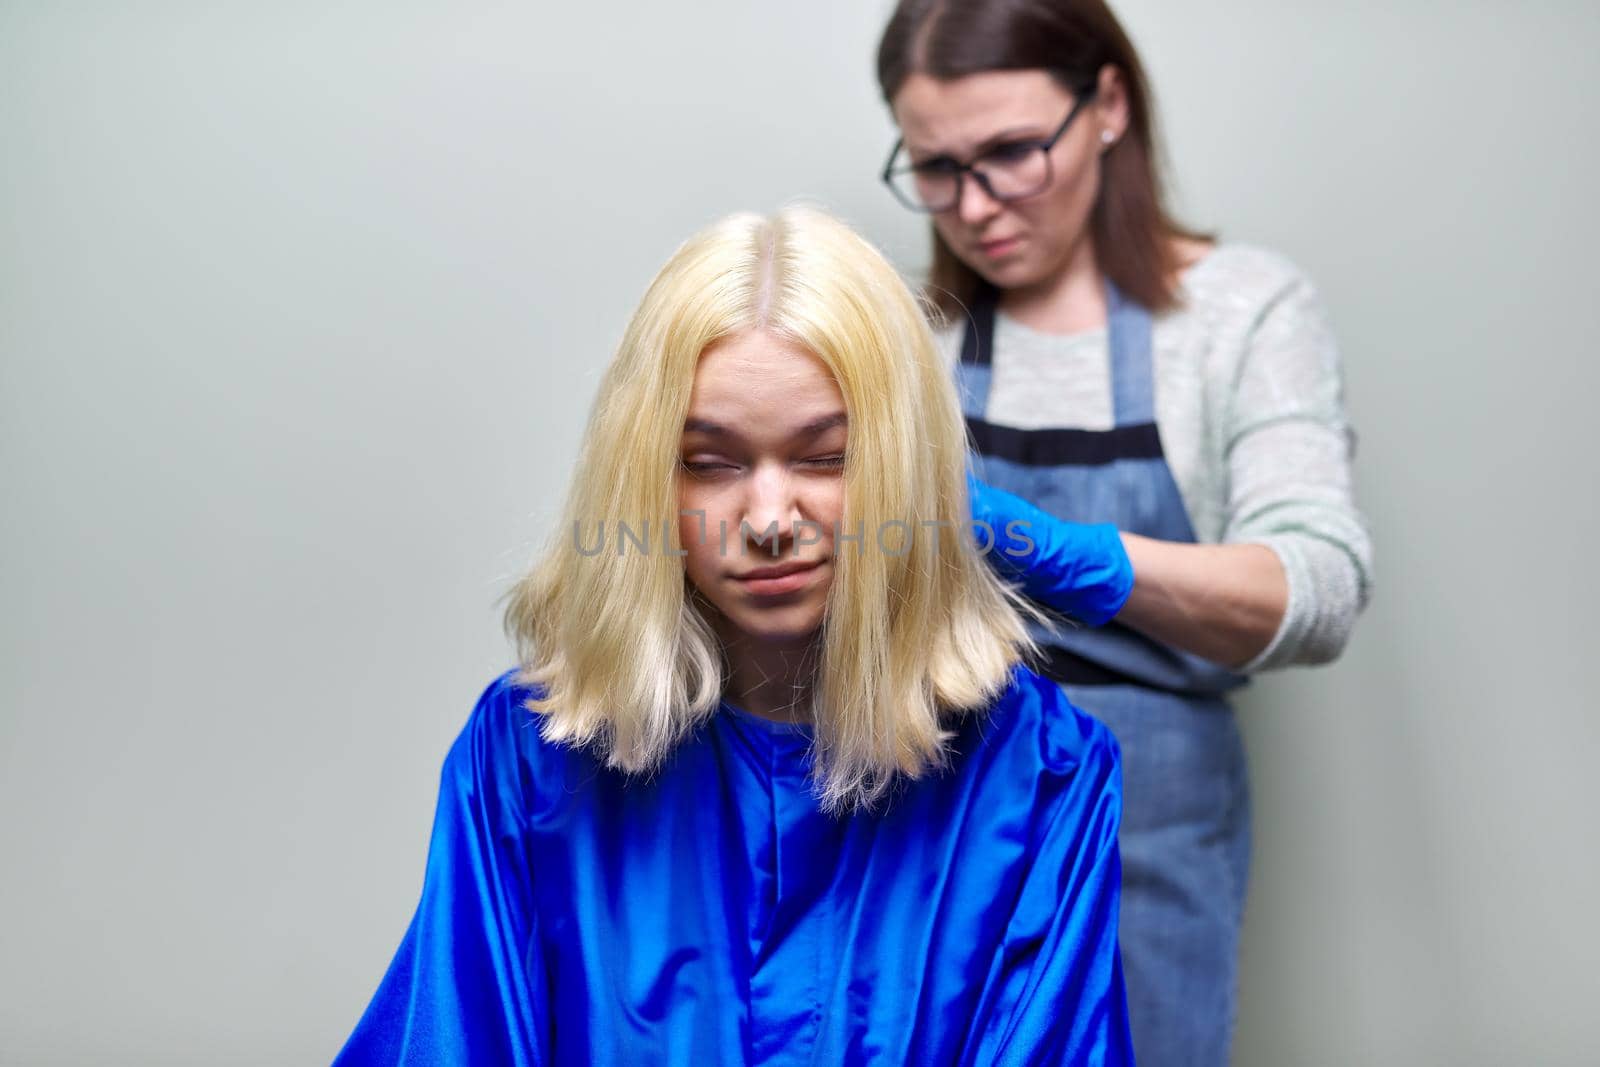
x,y
762,460
1024,243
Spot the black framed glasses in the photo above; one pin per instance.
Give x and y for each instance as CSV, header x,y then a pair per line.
x,y
1014,170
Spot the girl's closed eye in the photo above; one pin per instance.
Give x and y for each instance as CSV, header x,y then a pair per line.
x,y
708,466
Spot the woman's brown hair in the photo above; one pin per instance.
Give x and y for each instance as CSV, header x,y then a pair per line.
x,y
1071,40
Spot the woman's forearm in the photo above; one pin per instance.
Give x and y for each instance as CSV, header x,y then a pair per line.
x,y
1222,602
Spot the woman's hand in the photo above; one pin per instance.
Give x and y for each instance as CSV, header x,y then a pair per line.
x,y
1222,602
1078,569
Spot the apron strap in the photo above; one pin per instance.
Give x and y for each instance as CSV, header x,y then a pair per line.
x,y
1129,327
977,340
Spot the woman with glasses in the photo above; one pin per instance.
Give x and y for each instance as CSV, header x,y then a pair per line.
x,y
771,785
1120,372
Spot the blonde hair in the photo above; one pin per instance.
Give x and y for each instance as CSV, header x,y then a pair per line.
x,y
615,643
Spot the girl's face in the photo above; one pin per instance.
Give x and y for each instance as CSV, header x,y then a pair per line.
x,y
762,466
1025,243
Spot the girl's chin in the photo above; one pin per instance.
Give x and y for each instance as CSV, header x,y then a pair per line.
x,y
779,635
778,629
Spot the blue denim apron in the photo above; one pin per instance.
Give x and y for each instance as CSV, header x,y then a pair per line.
x,y
1185,836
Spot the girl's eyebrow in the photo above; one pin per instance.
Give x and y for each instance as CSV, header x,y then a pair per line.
x,y
825,423
810,429
710,429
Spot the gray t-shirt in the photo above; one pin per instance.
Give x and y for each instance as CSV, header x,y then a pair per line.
x,y
1249,403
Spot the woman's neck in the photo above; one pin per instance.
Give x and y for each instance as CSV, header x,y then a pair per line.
x,y
1072,300
773,681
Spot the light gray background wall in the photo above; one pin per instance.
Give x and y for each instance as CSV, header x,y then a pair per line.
x,y
301,307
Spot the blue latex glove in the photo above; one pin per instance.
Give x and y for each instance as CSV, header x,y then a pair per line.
x,y
1078,569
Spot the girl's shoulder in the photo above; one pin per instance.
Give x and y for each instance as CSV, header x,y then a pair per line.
x,y
501,751
1034,711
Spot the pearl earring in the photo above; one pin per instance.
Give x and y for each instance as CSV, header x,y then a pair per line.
x,y
1107,137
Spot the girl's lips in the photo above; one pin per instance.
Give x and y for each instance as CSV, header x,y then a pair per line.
x,y
782,583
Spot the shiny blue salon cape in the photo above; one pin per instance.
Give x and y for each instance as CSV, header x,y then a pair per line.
x,y
711,914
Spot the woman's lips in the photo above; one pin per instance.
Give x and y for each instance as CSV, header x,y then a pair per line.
x,y
787,578
1002,246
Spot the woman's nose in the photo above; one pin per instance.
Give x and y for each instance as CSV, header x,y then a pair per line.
x,y
974,205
